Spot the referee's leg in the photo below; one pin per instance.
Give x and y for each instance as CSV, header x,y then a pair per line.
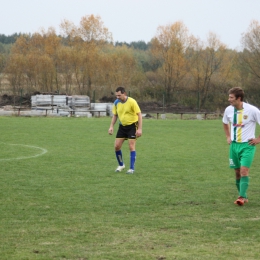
x,y
132,153
119,156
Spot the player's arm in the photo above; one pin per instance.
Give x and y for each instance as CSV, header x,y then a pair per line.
x,y
140,125
257,139
254,141
113,121
227,132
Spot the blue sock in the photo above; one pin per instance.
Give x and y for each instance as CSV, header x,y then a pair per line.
x,y
132,159
119,157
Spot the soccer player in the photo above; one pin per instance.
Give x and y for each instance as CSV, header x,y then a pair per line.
x,y
130,127
239,123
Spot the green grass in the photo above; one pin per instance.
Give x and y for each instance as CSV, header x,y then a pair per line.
x,y
68,203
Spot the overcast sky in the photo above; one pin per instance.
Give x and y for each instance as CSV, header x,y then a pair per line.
x,y
134,20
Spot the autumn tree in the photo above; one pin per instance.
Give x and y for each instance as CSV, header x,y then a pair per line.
x,y
249,62
42,64
15,72
119,64
2,66
169,46
65,70
251,45
39,64
209,65
86,40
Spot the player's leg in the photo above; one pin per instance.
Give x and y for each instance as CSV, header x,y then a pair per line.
x,y
244,181
237,177
234,162
119,156
132,153
118,143
246,162
247,156
131,143
120,138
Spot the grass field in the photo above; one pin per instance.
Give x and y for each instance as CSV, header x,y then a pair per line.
x,y
61,199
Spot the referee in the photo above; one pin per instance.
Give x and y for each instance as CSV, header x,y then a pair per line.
x,y
129,114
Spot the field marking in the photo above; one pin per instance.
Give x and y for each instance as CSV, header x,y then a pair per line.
x,y
43,151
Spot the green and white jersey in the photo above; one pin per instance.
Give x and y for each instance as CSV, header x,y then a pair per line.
x,y
242,122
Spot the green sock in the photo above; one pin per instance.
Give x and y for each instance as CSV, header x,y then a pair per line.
x,y
238,184
244,181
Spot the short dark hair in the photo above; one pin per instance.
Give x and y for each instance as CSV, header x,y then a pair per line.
x,y
122,89
238,92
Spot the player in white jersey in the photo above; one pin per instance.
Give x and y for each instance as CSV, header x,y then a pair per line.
x,y
239,122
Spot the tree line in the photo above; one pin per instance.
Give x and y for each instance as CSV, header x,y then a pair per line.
x,y
175,67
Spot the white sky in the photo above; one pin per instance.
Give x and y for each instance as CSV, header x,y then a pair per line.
x,y
134,20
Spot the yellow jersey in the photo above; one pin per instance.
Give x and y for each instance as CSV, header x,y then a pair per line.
x,y
126,111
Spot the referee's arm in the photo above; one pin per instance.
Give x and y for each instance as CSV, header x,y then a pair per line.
x,y
140,125
113,121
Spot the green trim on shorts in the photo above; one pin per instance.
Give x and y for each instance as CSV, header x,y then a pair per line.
x,y
241,154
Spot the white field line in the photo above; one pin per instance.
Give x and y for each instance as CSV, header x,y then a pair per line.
x,y
43,151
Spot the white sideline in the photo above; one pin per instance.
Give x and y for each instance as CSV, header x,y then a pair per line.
x,y
43,151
